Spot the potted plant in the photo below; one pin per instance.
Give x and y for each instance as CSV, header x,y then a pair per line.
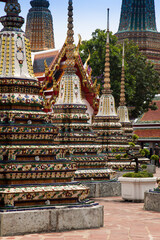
x,y
155,159
134,184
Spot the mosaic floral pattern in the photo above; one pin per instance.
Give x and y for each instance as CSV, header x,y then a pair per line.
x,y
11,195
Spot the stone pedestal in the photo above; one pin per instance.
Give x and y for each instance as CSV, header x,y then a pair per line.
x,y
103,189
50,220
152,201
151,168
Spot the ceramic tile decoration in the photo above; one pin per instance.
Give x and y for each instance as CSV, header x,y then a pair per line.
x,y
33,171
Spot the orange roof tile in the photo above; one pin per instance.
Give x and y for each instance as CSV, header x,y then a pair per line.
x,y
152,115
148,133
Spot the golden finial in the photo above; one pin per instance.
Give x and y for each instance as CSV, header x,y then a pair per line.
x,y
95,83
78,45
70,62
90,74
46,68
122,94
107,85
86,63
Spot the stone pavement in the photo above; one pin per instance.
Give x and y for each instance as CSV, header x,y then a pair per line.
x,y
122,221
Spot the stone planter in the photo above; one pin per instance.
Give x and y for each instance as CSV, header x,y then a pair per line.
x,y
152,201
134,188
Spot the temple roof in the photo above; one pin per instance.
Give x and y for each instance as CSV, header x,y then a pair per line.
x,y
56,60
148,134
38,60
137,16
147,126
151,116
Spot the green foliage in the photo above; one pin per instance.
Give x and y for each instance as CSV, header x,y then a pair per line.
x,y
118,156
131,144
144,152
125,155
113,150
142,81
120,169
143,174
135,137
144,166
121,149
155,157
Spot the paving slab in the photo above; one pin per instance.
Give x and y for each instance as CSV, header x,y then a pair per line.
x,y
122,221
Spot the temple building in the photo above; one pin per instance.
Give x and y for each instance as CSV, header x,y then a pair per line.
x,y
138,23
147,127
39,26
32,170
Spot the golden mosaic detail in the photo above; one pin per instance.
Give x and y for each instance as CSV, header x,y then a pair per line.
x,y
2,55
13,55
28,57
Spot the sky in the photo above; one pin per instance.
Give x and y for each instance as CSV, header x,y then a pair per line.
x,y
88,16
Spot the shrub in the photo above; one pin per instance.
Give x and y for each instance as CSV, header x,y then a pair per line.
x,y
131,144
144,152
118,156
120,169
155,157
113,150
121,149
143,174
125,155
135,137
144,166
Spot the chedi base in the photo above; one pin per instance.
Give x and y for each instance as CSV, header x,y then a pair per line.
x,y
58,219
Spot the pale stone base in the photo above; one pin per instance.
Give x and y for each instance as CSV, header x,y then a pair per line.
x,y
103,189
152,201
50,220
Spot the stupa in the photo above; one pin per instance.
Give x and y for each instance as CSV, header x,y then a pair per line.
x,y
31,174
138,23
39,26
122,110
70,117
107,124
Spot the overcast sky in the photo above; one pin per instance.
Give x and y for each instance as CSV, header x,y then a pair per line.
x,y
88,16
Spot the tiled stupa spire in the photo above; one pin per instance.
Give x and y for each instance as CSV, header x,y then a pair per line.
x,y
39,26
138,24
137,16
31,170
122,94
107,85
107,103
106,123
70,86
12,38
75,134
122,110
70,62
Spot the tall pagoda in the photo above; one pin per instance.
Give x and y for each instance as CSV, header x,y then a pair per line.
x,y
138,23
70,117
122,110
31,172
106,123
39,26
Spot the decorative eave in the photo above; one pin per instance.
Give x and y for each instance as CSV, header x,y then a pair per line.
x,y
56,70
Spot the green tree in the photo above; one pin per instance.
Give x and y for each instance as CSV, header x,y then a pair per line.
x,y
142,80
